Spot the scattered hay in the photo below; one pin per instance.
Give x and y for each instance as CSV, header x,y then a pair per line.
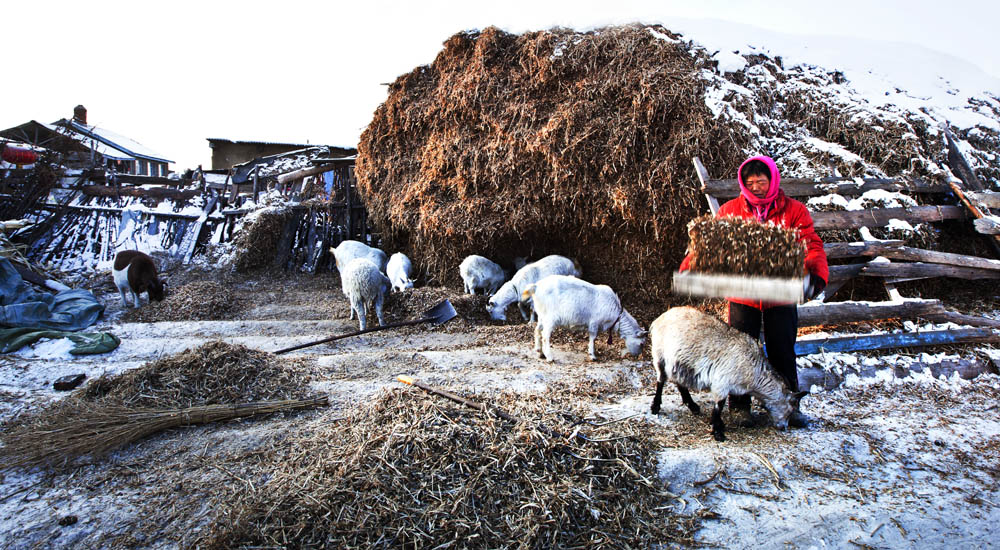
x,y
195,301
213,373
412,303
576,143
743,246
199,385
414,471
257,241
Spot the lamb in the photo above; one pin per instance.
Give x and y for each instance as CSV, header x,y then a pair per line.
x,y
399,270
698,351
481,273
364,285
348,250
564,301
134,273
511,291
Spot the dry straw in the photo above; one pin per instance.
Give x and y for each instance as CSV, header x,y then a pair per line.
x,y
741,246
412,471
214,382
548,142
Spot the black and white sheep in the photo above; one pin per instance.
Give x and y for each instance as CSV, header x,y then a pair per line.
x,y
565,301
364,285
481,273
134,273
399,270
697,351
531,273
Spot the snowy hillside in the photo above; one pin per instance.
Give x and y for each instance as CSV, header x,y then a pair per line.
x,y
872,108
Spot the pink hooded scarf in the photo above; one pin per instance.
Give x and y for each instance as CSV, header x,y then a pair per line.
x,y
761,207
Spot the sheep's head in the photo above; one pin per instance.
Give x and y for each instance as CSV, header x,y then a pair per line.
x,y
497,313
783,407
634,343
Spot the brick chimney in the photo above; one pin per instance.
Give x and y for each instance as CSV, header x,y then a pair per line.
x,y
80,114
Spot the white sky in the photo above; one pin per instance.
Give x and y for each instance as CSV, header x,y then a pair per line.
x,y
171,74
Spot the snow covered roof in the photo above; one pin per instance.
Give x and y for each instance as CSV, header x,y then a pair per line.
x,y
40,133
212,141
123,144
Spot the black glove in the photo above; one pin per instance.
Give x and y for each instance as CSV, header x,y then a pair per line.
x,y
812,286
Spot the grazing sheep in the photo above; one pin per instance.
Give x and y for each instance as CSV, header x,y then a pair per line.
x,y
481,273
364,285
399,270
134,273
348,250
697,351
564,301
511,291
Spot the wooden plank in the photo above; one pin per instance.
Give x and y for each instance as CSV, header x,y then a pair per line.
x,y
858,248
151,193
847,344
925,270
311,171
897,251
813,187
713,203
962,319
960,166
988,199
818,313
966,368
189,246
987,226
853,219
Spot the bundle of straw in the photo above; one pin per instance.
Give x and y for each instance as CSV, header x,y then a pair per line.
x,y
741,246
94,429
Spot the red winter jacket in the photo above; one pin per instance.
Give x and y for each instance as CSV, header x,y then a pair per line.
x,y
787,212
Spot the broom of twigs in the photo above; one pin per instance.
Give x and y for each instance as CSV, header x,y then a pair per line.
x,y
99,430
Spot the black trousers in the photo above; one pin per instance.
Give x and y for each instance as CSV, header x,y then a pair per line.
x,y
780,327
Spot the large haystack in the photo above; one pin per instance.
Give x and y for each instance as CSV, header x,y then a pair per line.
x,y
548,142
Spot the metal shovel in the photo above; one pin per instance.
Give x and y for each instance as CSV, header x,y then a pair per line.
x,y
439,314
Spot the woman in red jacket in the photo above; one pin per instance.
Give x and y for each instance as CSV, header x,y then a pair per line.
x,y
761,198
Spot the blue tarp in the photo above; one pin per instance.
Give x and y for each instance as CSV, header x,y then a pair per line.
x,y
22,306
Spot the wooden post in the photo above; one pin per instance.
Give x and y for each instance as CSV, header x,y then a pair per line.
x,y
256,188
961,168
699,168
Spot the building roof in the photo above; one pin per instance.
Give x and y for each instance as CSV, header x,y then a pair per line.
x,y
123,144
213,141
44,135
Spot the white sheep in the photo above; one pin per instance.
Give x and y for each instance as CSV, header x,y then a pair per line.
x,y
349,250
697,351
565,301
481,273
511,291
364,286
399,269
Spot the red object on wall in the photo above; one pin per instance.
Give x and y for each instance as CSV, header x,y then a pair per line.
x,y
19,155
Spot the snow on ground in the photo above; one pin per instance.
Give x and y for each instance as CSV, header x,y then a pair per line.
x,y
902,463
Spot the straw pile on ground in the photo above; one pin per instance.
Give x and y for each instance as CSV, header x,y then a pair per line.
x,y
414,471
547,142
741,246
201,385
195,301
257,241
